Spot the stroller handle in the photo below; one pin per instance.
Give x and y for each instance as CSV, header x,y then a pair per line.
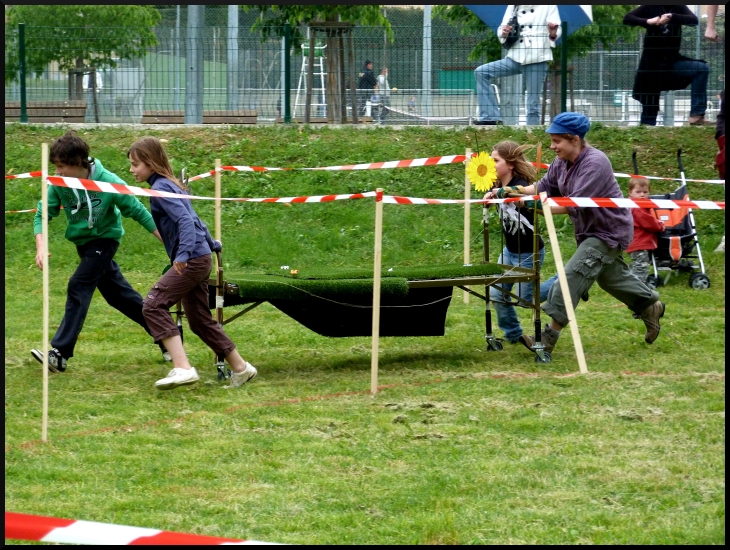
x,y
679,159
633,160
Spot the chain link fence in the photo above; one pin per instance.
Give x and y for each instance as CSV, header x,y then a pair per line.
x,y
245,73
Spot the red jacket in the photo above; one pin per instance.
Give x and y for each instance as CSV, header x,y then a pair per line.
x,y
646,230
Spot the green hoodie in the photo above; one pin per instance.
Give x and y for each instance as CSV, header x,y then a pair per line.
x,y
105,222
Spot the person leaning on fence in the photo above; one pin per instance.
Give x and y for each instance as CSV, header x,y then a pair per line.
x,y
94,225
580,170
365,84
513,169
662,67
188,244
646,230
539,28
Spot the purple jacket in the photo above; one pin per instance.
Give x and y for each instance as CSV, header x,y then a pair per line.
x,y
184,234
591,175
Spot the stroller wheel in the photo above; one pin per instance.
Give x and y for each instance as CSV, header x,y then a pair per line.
x,y
699,281
653,282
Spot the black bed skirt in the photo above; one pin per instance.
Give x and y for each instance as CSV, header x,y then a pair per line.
x,y
421,313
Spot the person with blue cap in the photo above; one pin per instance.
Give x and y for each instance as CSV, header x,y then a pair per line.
x,y
602,234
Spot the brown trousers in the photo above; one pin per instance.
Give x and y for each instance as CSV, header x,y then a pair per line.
x,y
192,288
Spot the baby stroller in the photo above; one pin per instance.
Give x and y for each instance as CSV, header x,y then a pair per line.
x,y
678,241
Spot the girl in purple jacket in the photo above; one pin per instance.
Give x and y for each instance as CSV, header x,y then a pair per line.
x,y
188,244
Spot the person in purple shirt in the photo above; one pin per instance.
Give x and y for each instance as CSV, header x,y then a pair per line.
x,y
188,244
580,170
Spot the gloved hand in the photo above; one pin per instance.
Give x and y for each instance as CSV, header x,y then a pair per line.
x,y
534,204
217,246
502,192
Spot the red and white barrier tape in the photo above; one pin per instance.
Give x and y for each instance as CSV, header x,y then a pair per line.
x,y
411,163
36,174
70,531
104,187
580,202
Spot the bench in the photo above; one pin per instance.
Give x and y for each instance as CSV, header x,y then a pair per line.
x,y
209,117
323,120
47,111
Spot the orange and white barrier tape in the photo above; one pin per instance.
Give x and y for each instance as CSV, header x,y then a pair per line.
x,y
578,202
36,174
410,163
70,531
105,187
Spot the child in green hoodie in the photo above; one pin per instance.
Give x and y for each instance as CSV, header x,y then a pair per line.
x,y
95,227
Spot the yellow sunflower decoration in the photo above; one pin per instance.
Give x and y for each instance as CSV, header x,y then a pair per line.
x,y
482,172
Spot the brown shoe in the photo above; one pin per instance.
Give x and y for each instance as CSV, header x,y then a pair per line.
x,y
548,338
651,316
698,120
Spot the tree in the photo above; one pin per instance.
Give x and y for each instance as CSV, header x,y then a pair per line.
x,y
79,37
273,18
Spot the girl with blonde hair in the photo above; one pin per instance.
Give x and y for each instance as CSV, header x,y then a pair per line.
x,y
517,219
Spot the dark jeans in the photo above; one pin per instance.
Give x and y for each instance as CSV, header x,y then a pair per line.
x,y
192,288
699,72
96,270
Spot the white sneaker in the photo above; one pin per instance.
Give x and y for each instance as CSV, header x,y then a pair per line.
x,y
178,377
166,356
240,378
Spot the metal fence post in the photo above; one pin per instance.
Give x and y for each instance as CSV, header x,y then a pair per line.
x,y
669,108
21,56
287,73
232,59
564,69
194,59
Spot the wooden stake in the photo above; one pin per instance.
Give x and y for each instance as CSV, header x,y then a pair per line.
x,y
539,159
376,290
572,323
218,199
46,305
467,218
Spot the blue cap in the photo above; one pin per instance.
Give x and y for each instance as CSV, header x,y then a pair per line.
x,y
570,123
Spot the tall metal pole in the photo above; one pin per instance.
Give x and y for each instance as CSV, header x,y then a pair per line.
x,y
426,72
21,58
232,59
564,69
193,56
177,59
286,104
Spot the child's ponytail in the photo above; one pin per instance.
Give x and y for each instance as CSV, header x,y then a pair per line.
x,y
149,150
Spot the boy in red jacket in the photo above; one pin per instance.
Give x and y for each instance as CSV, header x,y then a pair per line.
x,y
646,230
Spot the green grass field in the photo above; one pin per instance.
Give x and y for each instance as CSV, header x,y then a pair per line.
x,y
460,445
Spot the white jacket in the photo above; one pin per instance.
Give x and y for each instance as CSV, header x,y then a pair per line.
x,y
534,44
384,86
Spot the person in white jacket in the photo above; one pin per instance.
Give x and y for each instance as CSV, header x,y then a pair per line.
x,y
529,56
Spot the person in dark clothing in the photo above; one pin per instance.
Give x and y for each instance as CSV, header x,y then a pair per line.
x,y
661,66
366,85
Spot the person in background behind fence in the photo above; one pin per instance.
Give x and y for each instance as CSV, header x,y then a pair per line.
x,y
94,225
366,84
662,67
188,244
646,230
385,89
539,28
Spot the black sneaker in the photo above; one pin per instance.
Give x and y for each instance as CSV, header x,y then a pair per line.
x,y
56,362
